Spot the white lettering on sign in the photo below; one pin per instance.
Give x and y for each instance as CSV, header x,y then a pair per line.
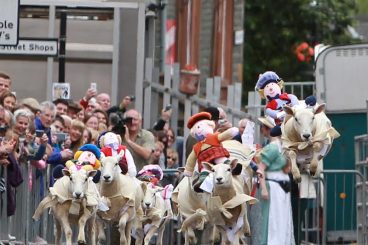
x,y
9,19
32,47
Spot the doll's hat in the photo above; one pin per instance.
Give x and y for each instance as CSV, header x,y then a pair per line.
x,y
198,117
266,78
272,157
92,148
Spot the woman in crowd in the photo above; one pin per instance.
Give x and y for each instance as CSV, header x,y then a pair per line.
x,y
8,100
91,122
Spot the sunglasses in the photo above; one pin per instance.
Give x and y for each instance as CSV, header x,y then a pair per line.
x,y
171,158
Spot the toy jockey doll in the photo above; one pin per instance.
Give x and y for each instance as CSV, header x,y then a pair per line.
x,y
110,144
208,148
269,86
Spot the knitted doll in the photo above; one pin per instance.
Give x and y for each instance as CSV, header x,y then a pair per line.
x,y
209,147
110,144
85,158
269,86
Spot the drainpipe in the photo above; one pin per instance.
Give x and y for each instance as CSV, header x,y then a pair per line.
x,y
163,33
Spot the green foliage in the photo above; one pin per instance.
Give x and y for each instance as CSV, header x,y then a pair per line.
x,y
273,29
363,6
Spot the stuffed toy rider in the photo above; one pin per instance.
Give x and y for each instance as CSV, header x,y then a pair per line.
x,y
110,144
208,148
269,86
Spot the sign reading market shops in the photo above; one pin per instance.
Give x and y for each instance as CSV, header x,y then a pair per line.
x,y
35,47
9,20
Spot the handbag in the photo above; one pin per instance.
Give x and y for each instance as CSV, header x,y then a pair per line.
x,y
2,181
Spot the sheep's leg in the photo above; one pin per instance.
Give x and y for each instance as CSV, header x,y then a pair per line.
x,y
122,225
67,229
128,230
161,234
140,235
191,236
57,232
101,236
294,167
81,224
149,234
92,226
246,226
314,162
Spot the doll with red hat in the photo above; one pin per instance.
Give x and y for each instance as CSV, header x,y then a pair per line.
x,y
208,147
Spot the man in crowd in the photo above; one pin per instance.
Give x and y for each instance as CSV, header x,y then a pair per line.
x,y
61,106
140,142
5,82
104,100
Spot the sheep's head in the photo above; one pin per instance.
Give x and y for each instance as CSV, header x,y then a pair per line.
x,y
110,167
150,192
223,172
304,120
78,181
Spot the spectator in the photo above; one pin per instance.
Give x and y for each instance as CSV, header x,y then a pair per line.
x,y
73,109
76,135
80,115
266,125
46,117
172,163
91,106
156,154
101,116
87,136
104,101
8,100
22,121
32,104
139,142
123,106
90,93
5,82
91,122
59,124
61,106
67,123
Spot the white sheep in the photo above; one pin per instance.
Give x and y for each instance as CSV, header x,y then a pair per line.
x,y
73,200
227,207
307,136
156,213
123,196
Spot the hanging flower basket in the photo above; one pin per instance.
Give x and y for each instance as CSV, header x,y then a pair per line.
x,y
304,53
189,79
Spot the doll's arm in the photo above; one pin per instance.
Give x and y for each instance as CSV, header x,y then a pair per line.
x,y
293,100
190,164
228,134
132,169
272,113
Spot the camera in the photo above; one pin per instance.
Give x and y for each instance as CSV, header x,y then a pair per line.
x,y
168,107
39,133
61,137
132,97
118,122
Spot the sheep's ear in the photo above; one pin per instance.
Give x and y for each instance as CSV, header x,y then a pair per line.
x,y
320,108
66,172
144,186
92,173
236,167
288,110
208,166
120,155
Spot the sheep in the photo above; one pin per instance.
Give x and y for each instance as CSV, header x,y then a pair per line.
x,y
307,136
227,208
73,199
123,195
157,212
191,207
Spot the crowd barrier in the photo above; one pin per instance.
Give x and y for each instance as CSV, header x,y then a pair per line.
x,y
328,216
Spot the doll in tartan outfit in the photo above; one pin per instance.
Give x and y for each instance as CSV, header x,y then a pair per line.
x,y
209,147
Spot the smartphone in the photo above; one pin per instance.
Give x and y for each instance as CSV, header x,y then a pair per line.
x,y
39,133
61,137
168,107
94,86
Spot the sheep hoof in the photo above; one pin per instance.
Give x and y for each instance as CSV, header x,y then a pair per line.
x,y
80,242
